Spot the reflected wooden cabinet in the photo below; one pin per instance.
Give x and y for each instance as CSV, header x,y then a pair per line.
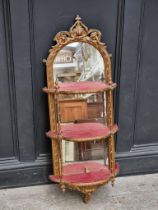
x,y
80,98
73,109
78,109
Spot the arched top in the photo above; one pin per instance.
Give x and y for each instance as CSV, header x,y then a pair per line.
x,y
78,32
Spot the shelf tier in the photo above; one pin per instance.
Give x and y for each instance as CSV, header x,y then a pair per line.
x,y
80,132
85,173
81,87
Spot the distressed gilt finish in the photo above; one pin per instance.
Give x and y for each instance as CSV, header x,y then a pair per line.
x,y
80,33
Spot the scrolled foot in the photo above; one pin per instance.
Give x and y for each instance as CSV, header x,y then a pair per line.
x,y
113,182
86,197
63,187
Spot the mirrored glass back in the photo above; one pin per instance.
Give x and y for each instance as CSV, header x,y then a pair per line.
x,y
79,61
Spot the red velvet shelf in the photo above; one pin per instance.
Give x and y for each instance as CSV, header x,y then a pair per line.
x,y
75,173
80,132
81,87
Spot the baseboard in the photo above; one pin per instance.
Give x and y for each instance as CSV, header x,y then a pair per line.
x,y
137,164
35,173
25,174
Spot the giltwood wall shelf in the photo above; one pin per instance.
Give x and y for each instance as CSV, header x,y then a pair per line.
x,y
87,75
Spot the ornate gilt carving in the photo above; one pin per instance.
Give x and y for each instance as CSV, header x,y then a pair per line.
x,y
79,32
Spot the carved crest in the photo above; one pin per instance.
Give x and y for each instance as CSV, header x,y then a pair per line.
x,y
78,31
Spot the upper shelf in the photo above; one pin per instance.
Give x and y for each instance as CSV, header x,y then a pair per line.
x,y
81,87
80,132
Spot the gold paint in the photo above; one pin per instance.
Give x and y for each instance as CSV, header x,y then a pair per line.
x,y
79,33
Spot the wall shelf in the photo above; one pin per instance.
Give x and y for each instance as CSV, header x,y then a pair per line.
x,y
71,102
80,87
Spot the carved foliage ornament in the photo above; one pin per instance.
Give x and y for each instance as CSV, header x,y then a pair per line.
x,y
78,31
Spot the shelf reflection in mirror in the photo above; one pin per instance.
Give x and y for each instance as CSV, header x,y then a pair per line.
x,y
79,61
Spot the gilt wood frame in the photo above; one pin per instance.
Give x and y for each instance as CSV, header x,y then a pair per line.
x,y
79,32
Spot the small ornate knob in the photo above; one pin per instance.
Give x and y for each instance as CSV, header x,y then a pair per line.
x,y
86,170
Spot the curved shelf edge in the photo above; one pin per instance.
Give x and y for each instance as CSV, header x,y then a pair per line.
x,y
81,132
101,176
80,88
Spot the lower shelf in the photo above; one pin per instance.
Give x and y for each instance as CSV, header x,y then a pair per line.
x,y
85,173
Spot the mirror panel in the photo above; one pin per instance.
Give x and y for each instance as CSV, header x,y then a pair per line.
x,y
79,61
